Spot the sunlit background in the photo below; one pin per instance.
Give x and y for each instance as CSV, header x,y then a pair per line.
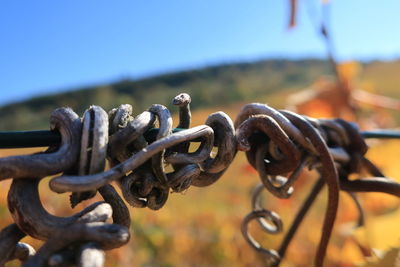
x,y
60,45
225,54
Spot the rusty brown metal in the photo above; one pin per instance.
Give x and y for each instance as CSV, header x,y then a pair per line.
x,y
278,144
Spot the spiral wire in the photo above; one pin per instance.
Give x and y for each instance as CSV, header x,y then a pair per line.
x,y
278,144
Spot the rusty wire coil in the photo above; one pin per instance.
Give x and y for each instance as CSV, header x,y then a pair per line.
x,y
136,164
278,144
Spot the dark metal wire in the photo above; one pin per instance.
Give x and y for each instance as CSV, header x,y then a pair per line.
x,y
381,134
45,138
29,139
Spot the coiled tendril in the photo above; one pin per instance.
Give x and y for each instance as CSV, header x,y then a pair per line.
x,y
278,144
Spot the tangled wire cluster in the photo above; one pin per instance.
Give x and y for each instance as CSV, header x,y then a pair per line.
x,y
278,144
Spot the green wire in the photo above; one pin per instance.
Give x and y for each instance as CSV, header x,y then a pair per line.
x,y
53,138
49,138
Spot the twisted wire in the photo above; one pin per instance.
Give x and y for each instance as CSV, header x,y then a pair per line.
x,y
278,144
136,164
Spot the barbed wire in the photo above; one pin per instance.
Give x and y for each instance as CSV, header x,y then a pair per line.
x,y
278,144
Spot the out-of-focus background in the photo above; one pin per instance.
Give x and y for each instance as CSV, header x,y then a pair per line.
x,y
321,58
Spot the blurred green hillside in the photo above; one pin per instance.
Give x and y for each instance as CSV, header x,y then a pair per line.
x,y
211,86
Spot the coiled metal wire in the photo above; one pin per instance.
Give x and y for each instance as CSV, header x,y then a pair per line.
x,y
278,144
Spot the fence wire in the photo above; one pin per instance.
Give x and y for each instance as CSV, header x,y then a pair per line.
x,y
278,144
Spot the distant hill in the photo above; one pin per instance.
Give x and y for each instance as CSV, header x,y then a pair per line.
x,y
211,86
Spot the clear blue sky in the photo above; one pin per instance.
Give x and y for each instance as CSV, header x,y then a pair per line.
x,y
48,45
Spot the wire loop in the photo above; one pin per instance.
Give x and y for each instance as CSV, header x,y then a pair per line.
x,y
278,144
